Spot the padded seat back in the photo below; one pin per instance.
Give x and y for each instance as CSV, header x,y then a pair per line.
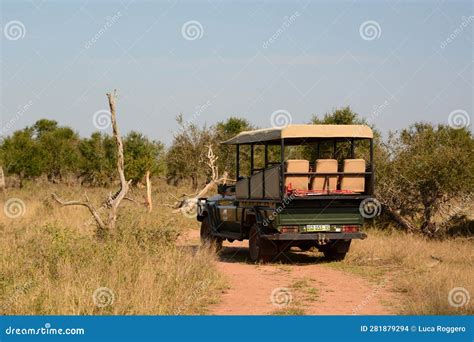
x,y
242,188
325,182
354,183
297,166
272,182
256,185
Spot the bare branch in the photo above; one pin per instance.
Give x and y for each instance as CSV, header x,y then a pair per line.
x,y
86,204
124,185
118,139
190,203
113,201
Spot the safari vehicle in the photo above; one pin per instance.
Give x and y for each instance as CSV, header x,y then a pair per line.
x,y
294,202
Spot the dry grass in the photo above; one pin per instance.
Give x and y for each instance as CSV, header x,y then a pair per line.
x,y
51,262
423,271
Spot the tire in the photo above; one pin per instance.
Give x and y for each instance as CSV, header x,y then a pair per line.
x,y
337,250
260,250
208,240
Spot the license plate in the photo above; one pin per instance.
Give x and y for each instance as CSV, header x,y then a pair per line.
x,y
317,227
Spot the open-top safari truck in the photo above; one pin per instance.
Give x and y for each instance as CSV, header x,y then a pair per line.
x,y
294,202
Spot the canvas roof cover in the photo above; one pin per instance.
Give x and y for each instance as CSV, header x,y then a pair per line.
x,y
301,132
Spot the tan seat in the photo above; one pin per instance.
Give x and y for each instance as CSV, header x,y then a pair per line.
x,y
354,183
242,188
325,182
256,185
272,182
297,166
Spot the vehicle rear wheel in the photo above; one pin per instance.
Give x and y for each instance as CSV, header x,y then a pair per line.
x,y
260,249
336,250
207,238
305,248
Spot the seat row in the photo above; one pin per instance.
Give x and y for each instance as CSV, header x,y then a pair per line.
x,y
325,178
353,181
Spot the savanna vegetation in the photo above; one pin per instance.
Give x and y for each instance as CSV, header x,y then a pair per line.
x,y
52,260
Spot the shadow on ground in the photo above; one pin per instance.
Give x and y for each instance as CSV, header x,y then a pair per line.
x,y
231,254
240,254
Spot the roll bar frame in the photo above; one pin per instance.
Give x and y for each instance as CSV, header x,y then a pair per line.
x,y
283,173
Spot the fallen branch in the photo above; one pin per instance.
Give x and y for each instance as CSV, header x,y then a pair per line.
x,y
403,222
189,204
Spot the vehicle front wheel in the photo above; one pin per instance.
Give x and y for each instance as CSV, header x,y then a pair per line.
x,y
208,240
260,249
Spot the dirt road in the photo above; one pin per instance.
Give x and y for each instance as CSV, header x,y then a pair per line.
x,y
300,283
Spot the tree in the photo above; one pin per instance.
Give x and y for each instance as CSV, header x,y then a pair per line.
x,y
59,146
142,155
186,158
425,168
44,148
22,155
43,126
223,131
339,116
97,160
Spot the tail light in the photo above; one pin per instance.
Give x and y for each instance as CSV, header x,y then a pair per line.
x,y
288,229
350,229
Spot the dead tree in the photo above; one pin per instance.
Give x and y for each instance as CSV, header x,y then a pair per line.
x,y
189,204
2,180
149,203
112,203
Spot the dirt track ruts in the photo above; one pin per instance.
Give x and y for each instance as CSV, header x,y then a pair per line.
x,y
314,287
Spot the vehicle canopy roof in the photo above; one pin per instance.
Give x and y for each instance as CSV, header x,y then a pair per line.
x,y
301,133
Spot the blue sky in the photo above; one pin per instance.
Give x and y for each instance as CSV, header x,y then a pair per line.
x,y
319,58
